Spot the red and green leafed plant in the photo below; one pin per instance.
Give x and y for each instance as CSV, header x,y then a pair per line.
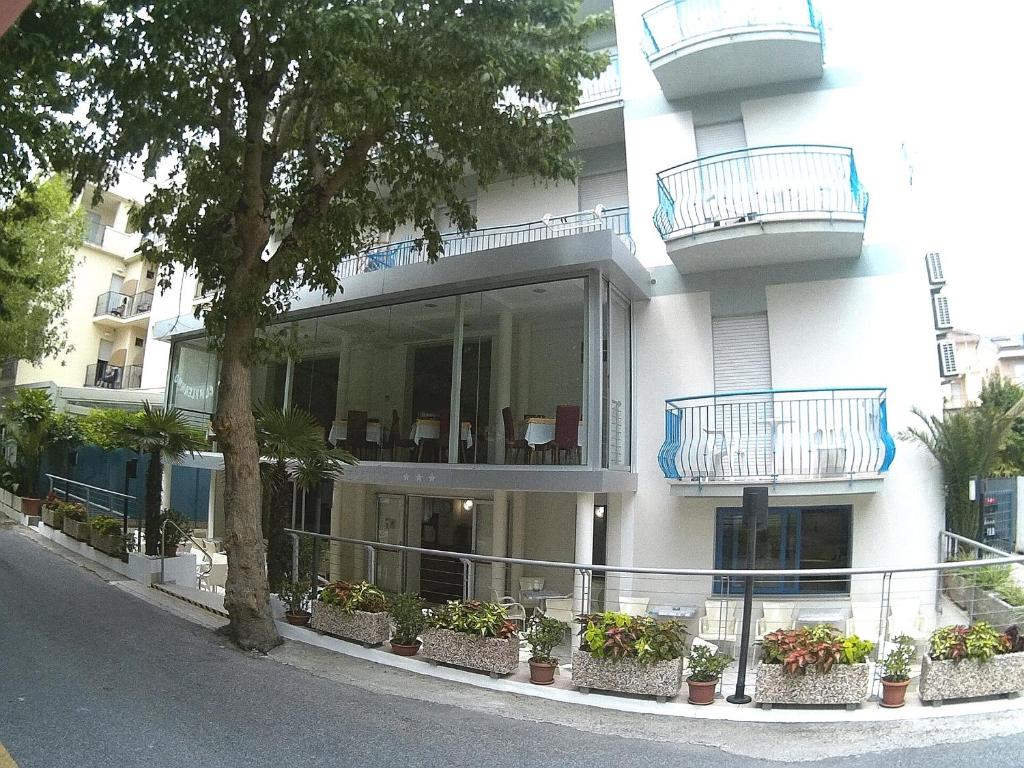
x,y
820,647
351,597
616,636
980,641
473,617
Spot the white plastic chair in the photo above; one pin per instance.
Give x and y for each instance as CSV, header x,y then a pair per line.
x,y
720,621
776,616
905,618
634,606
865,620
560,608
514,611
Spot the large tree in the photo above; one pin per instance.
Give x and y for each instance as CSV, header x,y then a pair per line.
x,y
43,227
294,133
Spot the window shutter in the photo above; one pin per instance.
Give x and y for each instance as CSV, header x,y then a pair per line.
x,y
742,353
933,262
720,137
605,189
947,359
940,310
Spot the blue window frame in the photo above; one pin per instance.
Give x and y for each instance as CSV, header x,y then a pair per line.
x,y
795,538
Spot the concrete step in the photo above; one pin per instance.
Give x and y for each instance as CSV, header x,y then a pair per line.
x,y
210,601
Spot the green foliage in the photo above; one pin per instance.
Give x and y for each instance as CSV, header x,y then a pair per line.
x,y
179,527
106,526
354,596
820,647
72,511
965,443
295,595
406,611
980,641
1011,592
109,428
706,666
39,233
896,664
544,633
1002,395
613,635
473,617
34,426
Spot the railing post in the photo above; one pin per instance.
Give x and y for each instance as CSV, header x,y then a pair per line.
x,y
468,587
371,564
314,568
163,533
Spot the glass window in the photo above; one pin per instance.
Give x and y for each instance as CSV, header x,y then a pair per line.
x,y
194,378
795,538
617,384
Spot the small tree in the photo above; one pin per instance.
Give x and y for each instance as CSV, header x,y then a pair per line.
x,y
34,426
292,450
296,133
1002,394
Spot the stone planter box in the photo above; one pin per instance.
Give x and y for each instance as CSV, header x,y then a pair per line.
x,y
77,530
969,678
661,679
958,590
52,518
108,545
843,684
996,611
484,654
366,628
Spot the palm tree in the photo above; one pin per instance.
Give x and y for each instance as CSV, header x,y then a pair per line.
x,y
293,449
161,434
966,443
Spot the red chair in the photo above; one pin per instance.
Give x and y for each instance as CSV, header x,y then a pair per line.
x,y
567,434
355,438
513,443
396,441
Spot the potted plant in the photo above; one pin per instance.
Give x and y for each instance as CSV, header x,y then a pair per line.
x,y
629,654
409,621
353,611
75,521
175,532
896,672
706,668
544,633
813,665
295,596
107,536
472,634
51,514
968,661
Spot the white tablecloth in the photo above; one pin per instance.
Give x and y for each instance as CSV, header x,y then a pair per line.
x,y
542,431
339,432
430,429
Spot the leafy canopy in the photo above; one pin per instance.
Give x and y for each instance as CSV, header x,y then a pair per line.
x,y
325,125
39,233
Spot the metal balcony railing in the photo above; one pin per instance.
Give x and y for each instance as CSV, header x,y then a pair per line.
x,y
410,251
107,376
607,85
123,305
747,184
95,232
771,435
675,22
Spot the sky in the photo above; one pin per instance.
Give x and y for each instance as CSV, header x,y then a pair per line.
x,y
955,70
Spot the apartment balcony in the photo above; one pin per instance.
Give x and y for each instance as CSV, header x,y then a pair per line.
x,y
112,240
107,376
116,310
801,442
761,206
407,252
709,46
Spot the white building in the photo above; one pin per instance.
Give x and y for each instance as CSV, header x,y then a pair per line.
x,y
112,360
714,304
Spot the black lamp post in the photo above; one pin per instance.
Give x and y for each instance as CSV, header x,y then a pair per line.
x,y
755,515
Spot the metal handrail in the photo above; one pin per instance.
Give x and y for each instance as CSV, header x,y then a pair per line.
x,y
195,543
750,392
729,572
67,480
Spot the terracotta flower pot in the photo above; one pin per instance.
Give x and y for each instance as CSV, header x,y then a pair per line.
x,y
297,618
30,506
701,693
542,673
401,649
894,693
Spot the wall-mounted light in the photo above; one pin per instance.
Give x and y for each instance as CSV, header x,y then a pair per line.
x,y
468,505
599,512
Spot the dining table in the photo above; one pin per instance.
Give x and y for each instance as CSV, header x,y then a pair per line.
x,y
541,431
430,429
339,432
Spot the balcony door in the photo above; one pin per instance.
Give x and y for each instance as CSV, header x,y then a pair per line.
x,y
725,194
742,426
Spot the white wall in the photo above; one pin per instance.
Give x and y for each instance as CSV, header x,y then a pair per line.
x,y
518,201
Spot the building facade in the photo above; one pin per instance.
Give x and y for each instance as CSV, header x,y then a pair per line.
x,y
595,373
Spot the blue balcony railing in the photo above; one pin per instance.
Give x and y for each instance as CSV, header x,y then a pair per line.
x,y
748,184
676,22
773,435
411,251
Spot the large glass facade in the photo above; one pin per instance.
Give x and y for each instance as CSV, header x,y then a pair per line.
x,y
194,376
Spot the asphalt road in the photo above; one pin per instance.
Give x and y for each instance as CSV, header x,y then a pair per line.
x,y
93,676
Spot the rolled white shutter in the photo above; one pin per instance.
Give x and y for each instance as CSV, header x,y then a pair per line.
x,y
606,189
742,353
720,137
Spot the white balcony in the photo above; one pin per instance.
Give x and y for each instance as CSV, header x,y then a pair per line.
x,y
762,206
708,46
110,240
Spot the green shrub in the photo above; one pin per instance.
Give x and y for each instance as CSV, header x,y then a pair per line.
x,y
351,597
896,664
988,577
820,647
473,617
544,633
980,641
295,595
105,526
613,635
705,666
71,511
1011,592
406,611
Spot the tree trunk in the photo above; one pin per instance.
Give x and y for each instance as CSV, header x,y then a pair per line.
x,y
246,596
154,485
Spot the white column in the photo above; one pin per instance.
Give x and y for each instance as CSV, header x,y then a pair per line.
x,y
289,378
165,486
455,404
211,504
499,541
356,529
584,546
502,386
518,535
522,372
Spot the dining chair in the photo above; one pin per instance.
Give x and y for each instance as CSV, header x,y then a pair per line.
x,y
776,616
720,621
560,608
356,433
634,606
513,443
567,434
396,440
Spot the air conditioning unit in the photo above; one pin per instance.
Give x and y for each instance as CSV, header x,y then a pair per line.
x,y
947,359
933,262
940,311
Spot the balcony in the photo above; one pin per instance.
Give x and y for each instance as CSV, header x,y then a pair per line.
x,y
406,252
107,376
114,310
709,46
813,441
760,206
112,240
